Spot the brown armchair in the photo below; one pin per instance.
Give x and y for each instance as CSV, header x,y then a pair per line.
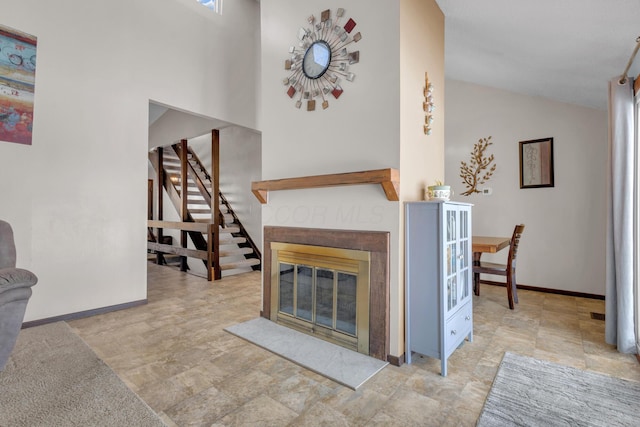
x,y
15,291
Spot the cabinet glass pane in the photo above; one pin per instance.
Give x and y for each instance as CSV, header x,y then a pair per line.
x,y
304,293
346,304
464,251
465,269
452,292
464,229
465,284
286,288
324,297
451,225
451,259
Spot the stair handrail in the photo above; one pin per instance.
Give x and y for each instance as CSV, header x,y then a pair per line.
x,y
198,180
207,229
183,151
176,200
236,220
201,187
243,231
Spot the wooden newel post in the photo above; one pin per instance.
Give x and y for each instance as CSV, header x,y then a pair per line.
x,y
159,233
183,198
215,200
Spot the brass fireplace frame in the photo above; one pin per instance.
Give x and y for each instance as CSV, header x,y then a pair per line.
x,y
337,260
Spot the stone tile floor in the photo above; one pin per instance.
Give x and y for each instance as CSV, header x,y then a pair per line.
x,y
174,353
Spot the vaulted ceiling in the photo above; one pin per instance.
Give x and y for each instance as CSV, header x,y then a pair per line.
x,y
566,50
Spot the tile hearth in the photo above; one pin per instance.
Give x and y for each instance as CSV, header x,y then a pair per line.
x,y
175,354
346,367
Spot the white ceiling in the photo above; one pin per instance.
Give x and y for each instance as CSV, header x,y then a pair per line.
x,y
565,50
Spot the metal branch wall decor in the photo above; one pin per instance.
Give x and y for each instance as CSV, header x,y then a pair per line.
x,y
322,59
476,172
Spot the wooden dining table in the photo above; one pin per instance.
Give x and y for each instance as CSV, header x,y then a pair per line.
x,y
485,244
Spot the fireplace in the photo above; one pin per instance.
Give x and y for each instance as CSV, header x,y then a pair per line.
x,y
333,284
322,291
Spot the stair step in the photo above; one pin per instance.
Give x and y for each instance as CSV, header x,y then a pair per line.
x,y
202,220
171,153
235,252
230,229
232,240
172,259
200,211
245,263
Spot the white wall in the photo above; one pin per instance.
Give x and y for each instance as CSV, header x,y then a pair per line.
x,y
563,246
240,165
361,130
421,156
77,197
421,50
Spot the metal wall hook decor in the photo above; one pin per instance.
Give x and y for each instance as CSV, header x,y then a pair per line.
x,y
428,105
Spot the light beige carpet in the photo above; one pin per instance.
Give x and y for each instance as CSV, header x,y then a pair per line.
x,y
54,379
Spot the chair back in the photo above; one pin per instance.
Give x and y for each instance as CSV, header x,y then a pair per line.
x,y
7,246
513,247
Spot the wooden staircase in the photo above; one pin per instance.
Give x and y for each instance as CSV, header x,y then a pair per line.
x,y
232,247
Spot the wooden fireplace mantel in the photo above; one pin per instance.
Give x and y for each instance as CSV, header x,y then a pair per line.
x,y
388,178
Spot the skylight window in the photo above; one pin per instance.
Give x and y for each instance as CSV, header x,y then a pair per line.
x,y
214,5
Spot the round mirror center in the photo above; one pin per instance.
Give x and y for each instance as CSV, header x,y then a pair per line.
x,y
316,59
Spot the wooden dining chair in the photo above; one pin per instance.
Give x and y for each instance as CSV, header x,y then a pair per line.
x,y
508,270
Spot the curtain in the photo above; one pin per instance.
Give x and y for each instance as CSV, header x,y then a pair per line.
x,y
620,258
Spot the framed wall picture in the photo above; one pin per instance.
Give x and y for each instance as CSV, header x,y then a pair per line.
x,y
17,84
536,163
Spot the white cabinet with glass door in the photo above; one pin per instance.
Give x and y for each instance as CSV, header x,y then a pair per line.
x,y
438,277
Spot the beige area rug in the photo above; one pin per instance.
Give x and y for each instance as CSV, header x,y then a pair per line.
x,y
532,392
54,379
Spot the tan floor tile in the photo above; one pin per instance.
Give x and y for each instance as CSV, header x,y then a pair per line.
x,y
260,412
198,410
617,365
166,393
299,392
362,405
320,415
175,354
412,409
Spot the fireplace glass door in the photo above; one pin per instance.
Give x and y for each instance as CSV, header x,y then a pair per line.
x,y
323,293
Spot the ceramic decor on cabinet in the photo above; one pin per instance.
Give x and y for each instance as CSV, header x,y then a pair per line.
x,y
439,274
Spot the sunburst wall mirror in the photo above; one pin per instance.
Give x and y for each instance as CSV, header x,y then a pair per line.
x,y
321,62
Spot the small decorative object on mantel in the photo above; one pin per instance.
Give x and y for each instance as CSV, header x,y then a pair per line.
x,y
439,191
427,105
475,173
322,60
